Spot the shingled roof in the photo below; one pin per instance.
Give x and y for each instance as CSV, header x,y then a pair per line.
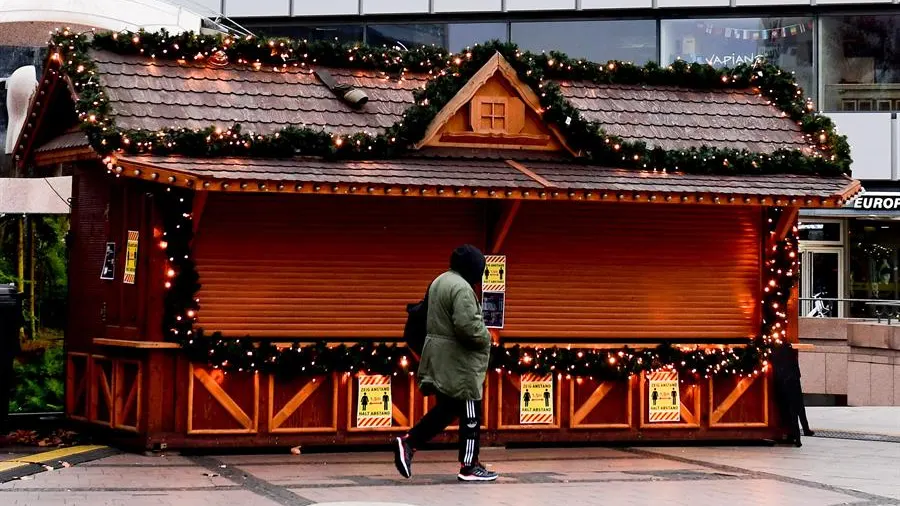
x,y
677,118
159,94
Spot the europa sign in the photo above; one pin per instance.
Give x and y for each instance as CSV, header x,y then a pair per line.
x,y
876,201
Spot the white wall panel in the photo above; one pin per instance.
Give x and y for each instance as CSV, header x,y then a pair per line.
x,y
870,140
693,3
537,5
325,8
468,5
394,6
251,8
616,4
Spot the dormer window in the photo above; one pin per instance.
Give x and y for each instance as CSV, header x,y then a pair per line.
x,y
489,114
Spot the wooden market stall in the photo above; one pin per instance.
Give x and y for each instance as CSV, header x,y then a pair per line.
x,y
251,217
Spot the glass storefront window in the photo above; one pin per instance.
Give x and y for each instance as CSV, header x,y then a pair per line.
x,y
874,247
600,41
342,33
453,36
820,232
861,63
820,274
727,42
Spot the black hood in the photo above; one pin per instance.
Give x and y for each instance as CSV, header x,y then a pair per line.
x,y
468,262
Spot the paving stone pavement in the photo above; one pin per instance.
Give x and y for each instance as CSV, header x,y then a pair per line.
x,y
826,472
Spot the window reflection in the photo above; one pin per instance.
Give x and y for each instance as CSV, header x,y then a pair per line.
x,y
599,41
453,36
727,42
341,33
861,63
873,273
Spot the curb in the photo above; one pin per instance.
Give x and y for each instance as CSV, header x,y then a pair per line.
x,y
857,436
55,459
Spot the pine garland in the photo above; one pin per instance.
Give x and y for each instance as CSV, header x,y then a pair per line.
x,y
829,152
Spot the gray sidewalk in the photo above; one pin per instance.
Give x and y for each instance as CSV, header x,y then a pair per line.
x,y
884,421
825,471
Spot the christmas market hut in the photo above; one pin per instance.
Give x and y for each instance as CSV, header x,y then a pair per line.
x,y
251,217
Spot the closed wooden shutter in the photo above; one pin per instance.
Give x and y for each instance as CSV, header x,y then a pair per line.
x,y
616,271
90,198
289,266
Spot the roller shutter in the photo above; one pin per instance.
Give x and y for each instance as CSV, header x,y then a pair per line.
x,y
614,271
286,266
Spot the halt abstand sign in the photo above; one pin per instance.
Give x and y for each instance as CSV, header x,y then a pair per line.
x,y
373,402
536,399
493,291
665,404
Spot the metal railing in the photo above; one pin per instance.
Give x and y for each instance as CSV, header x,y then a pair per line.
x,y
821,307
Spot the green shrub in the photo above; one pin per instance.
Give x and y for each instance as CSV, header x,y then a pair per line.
x,y
39,382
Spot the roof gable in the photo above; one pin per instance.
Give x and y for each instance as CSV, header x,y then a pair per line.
x,y
494,109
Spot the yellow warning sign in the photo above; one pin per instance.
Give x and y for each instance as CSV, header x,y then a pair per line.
x,y
494,279
665,405
373,404
536,399
131,252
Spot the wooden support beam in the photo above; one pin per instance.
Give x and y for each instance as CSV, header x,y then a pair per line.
x,y
505,222
596,396
729,402
530,174
292,405
785,223
223,398
398,415
199,205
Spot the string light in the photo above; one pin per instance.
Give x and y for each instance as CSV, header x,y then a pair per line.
x,y
825,153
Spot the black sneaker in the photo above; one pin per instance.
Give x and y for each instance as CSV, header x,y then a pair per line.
x,y
476,472
809,432
403,453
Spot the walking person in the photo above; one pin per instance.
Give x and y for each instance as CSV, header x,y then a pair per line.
x,y
453,365
789,393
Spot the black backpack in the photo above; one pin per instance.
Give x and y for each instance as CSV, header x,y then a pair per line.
x,y
416,325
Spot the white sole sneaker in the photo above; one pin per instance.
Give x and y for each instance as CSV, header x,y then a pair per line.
x,y
400,458
470,477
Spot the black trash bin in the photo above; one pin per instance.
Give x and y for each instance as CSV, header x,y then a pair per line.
x,y
10,324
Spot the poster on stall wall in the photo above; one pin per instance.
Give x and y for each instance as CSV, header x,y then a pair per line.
x,y
109,262
665,404
493,309
131,252
373,404
493,288
494,279
536,399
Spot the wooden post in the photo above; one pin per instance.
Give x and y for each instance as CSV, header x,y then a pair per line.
x,y
31,268
20,255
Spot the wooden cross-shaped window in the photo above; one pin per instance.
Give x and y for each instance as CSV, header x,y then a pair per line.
x,y
489,114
